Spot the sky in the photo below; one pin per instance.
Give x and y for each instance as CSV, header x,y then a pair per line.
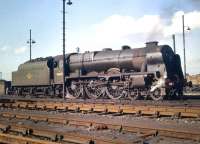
x,y
93,25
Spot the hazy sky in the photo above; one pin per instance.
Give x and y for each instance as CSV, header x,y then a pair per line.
x,y
94,25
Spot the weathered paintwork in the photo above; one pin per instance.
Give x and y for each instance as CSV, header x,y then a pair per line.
x,y
31,73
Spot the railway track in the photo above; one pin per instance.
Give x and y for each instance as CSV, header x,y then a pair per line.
x,y
88,115
12,132
146,128
18,130
180,110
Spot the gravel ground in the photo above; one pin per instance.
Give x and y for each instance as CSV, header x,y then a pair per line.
x,y
192,122
185,124
167,140
105,134
188,100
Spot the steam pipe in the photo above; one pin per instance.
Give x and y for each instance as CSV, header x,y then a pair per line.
x,y
184,57
174,43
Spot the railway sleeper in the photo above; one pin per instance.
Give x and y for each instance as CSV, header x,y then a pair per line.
x,y
119,113
77,109
51,136
7,105
91,110
40,107
155,114
60,109
8,115
138,113
32,106
56,121
176,115
21,116
45,135
101,127
39,118
10,138
104,112
4,128
144,134
179,135
20,131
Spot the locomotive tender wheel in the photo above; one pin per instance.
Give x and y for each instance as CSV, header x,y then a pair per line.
x,y
94,90
16,91
74,91
157,95
33,92
50,91
19,92
115,91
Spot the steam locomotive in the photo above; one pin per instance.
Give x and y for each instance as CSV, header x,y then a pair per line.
x,y
153,71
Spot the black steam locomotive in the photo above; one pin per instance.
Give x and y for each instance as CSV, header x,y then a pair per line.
x,y
152,72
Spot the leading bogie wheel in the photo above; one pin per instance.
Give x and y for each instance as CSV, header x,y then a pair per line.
x,y
133,94
157,95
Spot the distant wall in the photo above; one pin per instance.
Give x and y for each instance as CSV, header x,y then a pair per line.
x,y
195,79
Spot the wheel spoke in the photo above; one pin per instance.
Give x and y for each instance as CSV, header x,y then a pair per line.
x,y
74,91
115,91
94,89
157,95
133,94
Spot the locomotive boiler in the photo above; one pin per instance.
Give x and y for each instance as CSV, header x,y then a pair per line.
x,y
152,72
